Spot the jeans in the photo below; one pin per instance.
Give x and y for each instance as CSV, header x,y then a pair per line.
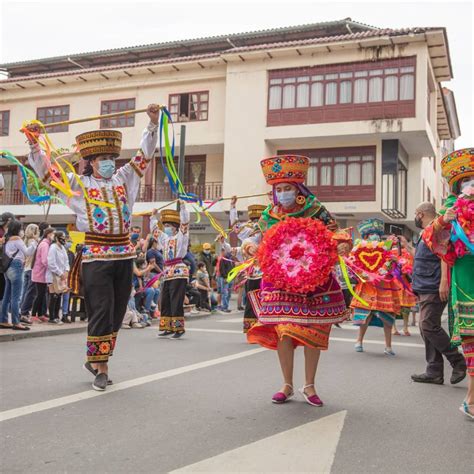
x,y
225,292
65,303
28,294
151,296
13,287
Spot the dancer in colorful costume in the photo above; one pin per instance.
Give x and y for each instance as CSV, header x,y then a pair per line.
x,y
174,241
106,259
371,259
250,236
451,237
299,298
406,296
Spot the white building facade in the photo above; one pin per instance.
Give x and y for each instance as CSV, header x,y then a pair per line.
x,y
365,104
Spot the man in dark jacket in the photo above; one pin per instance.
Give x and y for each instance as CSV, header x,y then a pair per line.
x,y
430,283
209,259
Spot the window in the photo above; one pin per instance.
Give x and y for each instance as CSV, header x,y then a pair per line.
x,y
194,106
341,174
114,106
4,123
52,115
342,92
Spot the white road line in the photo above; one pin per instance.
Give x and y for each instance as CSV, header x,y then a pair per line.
x,y
337,339
77,397
231,320
307,448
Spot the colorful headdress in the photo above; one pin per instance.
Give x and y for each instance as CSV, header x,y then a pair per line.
x,y
170,216
255,211
99,142
457,165
371,226
285,169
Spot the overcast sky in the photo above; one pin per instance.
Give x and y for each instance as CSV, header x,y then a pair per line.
x,y
39,29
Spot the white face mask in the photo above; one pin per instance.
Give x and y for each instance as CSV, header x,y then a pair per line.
x,y
286,198
467,184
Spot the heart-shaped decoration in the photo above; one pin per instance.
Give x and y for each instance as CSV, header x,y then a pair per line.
x,y
371,259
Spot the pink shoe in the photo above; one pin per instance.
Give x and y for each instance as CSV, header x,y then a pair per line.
x,y
280,397
313,399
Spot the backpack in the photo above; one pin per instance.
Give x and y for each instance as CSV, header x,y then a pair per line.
x,y
5,260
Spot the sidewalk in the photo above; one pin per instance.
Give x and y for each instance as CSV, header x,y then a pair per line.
x,y
45,329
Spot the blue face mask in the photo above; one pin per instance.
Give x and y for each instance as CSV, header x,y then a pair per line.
x,y
135,236
106,168
169,231
374,238
286,198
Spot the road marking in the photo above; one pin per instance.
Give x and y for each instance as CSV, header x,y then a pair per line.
x,y
231,320
307,448
337,339
77,397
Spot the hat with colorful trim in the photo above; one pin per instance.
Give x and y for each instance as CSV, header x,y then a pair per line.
x,y
371,226
255,211
457,165
170,216
99,142
285,169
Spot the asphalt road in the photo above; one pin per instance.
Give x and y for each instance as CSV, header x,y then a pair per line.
x,y
202,404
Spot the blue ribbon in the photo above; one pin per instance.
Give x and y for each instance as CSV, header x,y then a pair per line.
x,y
457,233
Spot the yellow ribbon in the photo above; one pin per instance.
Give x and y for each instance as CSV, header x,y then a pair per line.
x,y
348,282
240,268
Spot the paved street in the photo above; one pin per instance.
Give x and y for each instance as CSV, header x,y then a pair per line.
x,y
202,404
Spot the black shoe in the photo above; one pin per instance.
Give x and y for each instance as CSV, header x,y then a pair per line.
x,y
100,382
89,368
459,374
165,333
425,378
177,335
66,320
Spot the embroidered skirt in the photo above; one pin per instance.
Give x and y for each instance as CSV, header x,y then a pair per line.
x,y
305,318
375,318
383,296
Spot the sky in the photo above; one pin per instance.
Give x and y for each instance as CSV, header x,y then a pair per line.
x,y
40,29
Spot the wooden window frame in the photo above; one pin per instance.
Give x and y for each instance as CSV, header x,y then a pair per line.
x,y
177,118
349,111
5,123
114,122
342,193
55,117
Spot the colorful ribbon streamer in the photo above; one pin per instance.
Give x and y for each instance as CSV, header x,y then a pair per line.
x,y
347,280
27,174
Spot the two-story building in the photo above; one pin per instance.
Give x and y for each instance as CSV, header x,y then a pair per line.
x,y
365,104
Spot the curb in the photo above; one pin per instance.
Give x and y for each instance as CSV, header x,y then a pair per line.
x,y
16,336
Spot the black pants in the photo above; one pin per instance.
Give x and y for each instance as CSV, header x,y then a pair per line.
x,y
250,318
172,301
204,299
437,341
54,306
107,287
39,304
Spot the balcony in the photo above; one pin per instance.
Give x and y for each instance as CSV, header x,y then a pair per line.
x,y
148,193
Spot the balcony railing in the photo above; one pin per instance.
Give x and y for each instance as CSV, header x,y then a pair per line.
x,y
148,193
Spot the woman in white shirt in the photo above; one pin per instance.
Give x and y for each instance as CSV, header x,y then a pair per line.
x,y
16,249
56,275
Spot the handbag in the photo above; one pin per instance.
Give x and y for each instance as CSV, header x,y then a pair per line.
x,y
58,286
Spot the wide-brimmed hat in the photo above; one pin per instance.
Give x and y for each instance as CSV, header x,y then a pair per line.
x,y
371,226
255,211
